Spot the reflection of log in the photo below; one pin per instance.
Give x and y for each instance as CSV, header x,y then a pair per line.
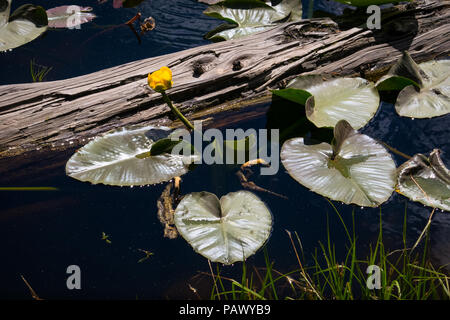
x,y
39,114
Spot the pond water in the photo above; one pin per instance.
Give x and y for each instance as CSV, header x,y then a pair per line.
x,y
42,233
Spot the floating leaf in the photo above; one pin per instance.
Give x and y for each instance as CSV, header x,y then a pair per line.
x,y
24,25
244,17
403,73
426,180
356,169
425,88
241,145
328,101
69,16
227,230
122,158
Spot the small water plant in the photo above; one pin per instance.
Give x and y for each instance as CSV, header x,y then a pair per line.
x,y
38,72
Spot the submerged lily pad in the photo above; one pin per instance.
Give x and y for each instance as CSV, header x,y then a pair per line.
x,y
328,101
426,180
355,169
245,17
24,25
69,16
122,158
425,88
236,151
227,230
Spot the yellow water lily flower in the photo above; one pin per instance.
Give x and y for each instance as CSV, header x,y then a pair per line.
x,y
161,79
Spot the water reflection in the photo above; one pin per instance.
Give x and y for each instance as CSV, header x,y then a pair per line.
x,y
107,41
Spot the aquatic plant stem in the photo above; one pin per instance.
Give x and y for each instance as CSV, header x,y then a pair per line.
x,y
176,111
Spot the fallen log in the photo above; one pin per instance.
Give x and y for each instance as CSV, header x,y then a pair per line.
x,y
67,112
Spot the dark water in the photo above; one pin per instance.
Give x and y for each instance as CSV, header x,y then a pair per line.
x,y
42,233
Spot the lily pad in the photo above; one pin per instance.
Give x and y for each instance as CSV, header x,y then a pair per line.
x,y
69,16
227,230
210,1
122,158
425,88
245,17
355,169
24,25
328,101
426,180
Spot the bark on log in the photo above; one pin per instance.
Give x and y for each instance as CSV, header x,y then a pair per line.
x,y
37,115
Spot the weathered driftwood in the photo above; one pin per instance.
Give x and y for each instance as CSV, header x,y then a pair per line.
x,y
63,113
